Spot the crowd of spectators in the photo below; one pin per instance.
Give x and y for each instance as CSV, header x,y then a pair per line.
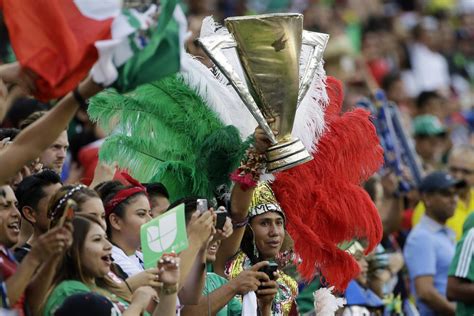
x,y
420,53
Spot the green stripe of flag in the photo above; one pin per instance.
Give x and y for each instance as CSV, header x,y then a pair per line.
x,y
159,58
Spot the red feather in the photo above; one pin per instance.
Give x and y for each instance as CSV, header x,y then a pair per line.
x,y
323,200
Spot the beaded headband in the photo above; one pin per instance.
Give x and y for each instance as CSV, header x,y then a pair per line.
x,y
66,197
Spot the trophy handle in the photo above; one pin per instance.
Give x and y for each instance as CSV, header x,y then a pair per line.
x,y
318,42
213,45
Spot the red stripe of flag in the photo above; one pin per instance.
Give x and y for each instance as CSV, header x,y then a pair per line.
x,y
53,38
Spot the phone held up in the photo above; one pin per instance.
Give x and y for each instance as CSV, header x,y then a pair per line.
x,y
201,205
270,269
221,217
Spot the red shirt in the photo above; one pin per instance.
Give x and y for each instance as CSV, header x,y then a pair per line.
x,y
8,266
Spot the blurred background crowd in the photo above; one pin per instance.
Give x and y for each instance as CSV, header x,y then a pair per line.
x,y
421,55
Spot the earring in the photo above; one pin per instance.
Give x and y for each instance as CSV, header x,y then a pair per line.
x,y
255,250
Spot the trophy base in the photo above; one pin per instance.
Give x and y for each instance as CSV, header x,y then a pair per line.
x,y
286,155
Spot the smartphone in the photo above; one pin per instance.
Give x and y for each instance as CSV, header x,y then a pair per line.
x,y
67,216
272,267
221,218
201,205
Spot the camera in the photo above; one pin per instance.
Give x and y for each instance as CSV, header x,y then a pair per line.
x,y
270,269
221,217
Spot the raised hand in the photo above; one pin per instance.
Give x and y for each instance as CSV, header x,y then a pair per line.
x,y
53,243
13,74
226,230
201,227
168,267
8,96
261,139
103,172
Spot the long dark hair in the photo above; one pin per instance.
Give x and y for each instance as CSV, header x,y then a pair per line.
x,y
71,267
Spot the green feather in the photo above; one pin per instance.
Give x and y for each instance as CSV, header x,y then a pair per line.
x,y
165,132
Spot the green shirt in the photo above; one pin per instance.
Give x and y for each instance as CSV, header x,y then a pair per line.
x,y
213,282
462,265
68,288
305,298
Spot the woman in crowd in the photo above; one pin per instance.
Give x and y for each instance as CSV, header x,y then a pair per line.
x,y
126,209
89,202
87,263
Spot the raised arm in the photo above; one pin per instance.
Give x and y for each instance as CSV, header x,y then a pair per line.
x,y
192,269
7,98
31,142
39,286
240,203
52,244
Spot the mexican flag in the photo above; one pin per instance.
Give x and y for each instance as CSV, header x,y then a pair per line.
x,y
61,40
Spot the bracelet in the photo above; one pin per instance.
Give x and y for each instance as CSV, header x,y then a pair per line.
x,y
169,289
241,223
128,286
83,104
250,170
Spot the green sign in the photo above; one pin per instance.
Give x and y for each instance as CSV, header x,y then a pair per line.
x,y
163,234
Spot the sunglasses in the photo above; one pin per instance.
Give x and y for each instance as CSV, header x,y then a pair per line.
x,y
461,170
447,193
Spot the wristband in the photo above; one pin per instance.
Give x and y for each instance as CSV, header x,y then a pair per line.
x,y
251,167
169,289
241,223
83,104
128,286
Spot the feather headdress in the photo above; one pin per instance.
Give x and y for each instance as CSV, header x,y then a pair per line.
x,y
190,131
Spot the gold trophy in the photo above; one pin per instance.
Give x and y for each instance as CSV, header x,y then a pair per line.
x,y
269,83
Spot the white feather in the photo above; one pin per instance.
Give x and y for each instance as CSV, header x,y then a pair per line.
x,y
220,99
210,27
309,119
325,303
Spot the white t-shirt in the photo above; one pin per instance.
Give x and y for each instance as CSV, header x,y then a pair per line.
x,y
430,69
131,265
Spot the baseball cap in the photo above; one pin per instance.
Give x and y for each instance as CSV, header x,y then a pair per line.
x,y
439,180
428,125
89,303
